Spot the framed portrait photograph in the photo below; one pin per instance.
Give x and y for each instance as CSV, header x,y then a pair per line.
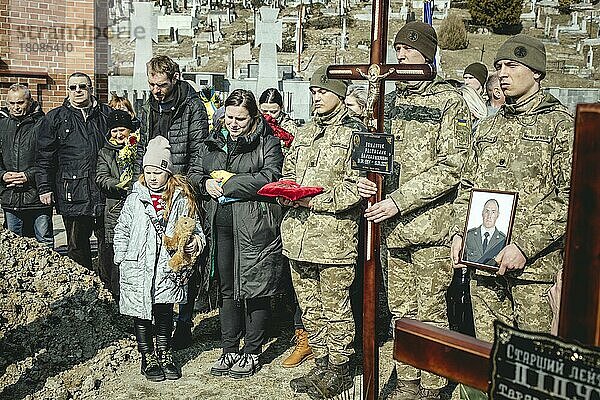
x,y
488,227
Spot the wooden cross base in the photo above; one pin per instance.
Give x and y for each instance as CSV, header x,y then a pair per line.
x,y
458,357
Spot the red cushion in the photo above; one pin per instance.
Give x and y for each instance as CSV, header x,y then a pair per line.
x,y
289,190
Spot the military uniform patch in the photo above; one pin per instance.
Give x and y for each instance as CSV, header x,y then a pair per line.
x,y
413,36
520,52
463,133
324,79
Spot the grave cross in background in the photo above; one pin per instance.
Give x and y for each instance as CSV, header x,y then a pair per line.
x,y
143,31
268,35
376,73
467,360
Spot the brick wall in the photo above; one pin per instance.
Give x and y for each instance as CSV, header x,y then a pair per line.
x,y
57,37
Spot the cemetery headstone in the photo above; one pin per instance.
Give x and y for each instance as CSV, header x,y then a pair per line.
x,y
143,31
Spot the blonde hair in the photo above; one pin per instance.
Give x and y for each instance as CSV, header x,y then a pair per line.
x,y
116,102
174,182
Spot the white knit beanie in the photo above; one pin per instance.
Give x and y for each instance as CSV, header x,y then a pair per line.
x,y
158,154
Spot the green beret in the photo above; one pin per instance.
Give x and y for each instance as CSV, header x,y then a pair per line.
x,y
320,80
525,49
479,71
420,36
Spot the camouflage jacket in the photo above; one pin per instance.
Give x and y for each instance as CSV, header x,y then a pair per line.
x,y
431,124
327,233
526,148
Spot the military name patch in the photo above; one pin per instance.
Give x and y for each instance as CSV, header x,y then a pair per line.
x,y
409,112
413,36
520,52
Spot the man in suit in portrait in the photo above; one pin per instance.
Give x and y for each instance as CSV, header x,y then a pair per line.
x,y
485,241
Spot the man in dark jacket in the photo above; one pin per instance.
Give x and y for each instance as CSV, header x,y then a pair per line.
x,y
67,154
176,112
20,125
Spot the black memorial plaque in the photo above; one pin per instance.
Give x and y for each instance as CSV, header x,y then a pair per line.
x,y
373,152
536,366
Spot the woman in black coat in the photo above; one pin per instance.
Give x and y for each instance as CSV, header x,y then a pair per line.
x,y
236,160
114,172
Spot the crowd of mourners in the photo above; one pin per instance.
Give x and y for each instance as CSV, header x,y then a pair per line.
x,y
171,195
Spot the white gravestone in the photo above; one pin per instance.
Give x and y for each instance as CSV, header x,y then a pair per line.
x,y
268,36
143,31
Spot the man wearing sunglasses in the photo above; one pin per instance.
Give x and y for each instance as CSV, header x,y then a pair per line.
x,y
66,158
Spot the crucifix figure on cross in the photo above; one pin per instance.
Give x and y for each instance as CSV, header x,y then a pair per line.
x,y
376,74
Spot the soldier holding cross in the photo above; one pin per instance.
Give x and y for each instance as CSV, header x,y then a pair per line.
x,y
431,126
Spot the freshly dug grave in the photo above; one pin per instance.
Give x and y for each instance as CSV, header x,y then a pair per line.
x,y
60,331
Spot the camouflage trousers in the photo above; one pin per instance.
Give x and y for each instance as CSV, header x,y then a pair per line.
x,y
324,297
418,281
523,304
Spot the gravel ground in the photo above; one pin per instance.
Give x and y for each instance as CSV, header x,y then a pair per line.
x,y
61,337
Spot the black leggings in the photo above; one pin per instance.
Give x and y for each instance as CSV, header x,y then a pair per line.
x,y
237,316
163,321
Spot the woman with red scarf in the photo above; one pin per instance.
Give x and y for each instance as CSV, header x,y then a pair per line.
x,y
271,106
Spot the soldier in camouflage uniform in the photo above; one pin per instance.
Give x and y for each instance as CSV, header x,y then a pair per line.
x,y
320,235
431,125
526,148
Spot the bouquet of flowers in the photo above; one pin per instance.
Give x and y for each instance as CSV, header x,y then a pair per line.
x,y
126,158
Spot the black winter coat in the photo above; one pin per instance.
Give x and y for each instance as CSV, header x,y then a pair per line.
x,y
67,155
256,160
18,147
107,178
188,126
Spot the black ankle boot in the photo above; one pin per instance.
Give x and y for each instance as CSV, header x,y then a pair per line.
x,y
165,358
303,383
151,368
336,380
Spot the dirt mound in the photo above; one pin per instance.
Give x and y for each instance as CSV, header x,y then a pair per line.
x,y
61,333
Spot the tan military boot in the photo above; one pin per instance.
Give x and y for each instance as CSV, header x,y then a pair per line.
x,y
301,352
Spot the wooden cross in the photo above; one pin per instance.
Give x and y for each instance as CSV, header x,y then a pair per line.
x,y
464,359
376,73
